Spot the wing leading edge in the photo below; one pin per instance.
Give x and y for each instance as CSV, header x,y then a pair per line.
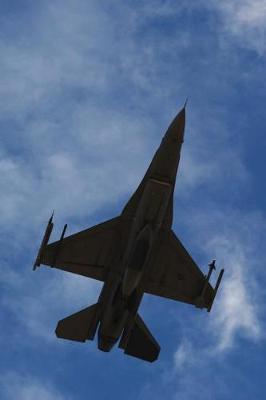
x,y
175,275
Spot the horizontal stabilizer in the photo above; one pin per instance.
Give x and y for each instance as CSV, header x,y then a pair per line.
x,y
80,326
141,343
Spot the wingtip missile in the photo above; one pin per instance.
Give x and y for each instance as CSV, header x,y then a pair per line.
x,y
45,240
212,264
211,268
51,218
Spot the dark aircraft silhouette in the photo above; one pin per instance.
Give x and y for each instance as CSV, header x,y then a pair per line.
x,y
132,254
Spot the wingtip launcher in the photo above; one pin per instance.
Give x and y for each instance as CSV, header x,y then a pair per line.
x,y
45,240
200,301
216,289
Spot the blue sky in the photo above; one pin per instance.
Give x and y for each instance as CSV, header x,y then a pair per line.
x,y
87,90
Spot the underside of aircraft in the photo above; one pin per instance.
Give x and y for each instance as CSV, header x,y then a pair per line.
x,y
132,254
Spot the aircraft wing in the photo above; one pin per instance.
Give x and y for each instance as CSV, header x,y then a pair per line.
x,y
87,253
174,274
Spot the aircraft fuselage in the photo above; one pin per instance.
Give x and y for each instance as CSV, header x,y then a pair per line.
x,y
120,308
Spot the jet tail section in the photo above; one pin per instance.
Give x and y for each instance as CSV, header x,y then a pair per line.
x,y
80,326
140,343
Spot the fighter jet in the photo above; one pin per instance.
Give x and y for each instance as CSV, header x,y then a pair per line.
x,y
132,254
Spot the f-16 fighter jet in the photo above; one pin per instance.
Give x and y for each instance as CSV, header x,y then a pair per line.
x,y
132,254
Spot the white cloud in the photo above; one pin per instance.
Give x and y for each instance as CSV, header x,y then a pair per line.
x,y
72,180
199,166
27,387
62,52
71,150
245,12
78,156
30,299
231,238
246,20
236,312
184,355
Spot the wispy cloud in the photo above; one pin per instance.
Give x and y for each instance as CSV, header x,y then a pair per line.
x,y
184,355
232,238
60,90
65,138
245,21
237,311
237,315
70,152
86,92
35,300
27,387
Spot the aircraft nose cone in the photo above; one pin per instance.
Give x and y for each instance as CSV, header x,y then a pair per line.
x,y
176,129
